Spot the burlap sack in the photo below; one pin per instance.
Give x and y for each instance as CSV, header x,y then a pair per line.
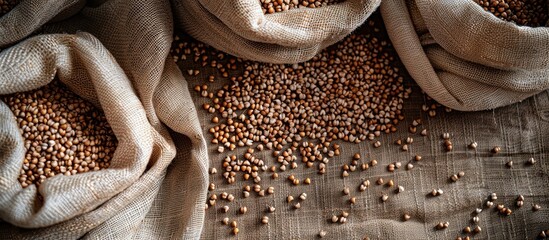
x,y
68,196
154,191
29,15
240,28
465,57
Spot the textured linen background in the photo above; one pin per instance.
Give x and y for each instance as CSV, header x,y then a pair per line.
x,y
126,43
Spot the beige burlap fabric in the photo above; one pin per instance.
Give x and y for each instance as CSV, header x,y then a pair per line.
x,y
520,129
241,29
151,191
115,54
30,15
66,197
463,56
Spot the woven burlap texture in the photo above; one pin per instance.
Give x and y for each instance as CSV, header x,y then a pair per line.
x,y
160,193
151,191
520,130
465,57
29,15
240,28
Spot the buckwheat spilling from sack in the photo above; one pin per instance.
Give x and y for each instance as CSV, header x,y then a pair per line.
x,y
63,133
7,5
352,91
272,6
312,99
431,107
531,13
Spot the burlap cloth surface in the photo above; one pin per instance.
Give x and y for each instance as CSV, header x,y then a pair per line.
x,y
30,15
520,130
167,200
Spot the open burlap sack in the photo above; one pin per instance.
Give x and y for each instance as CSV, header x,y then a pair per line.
x,y
124,68
242,29
464,57
68,196
29,15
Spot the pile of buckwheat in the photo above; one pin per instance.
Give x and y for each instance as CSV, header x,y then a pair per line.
x,y
272,6
300,113
63,133
533,13
352,91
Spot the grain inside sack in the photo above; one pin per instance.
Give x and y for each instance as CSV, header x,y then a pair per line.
x,y
272,6
246,29
58,150
63,133
531,13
